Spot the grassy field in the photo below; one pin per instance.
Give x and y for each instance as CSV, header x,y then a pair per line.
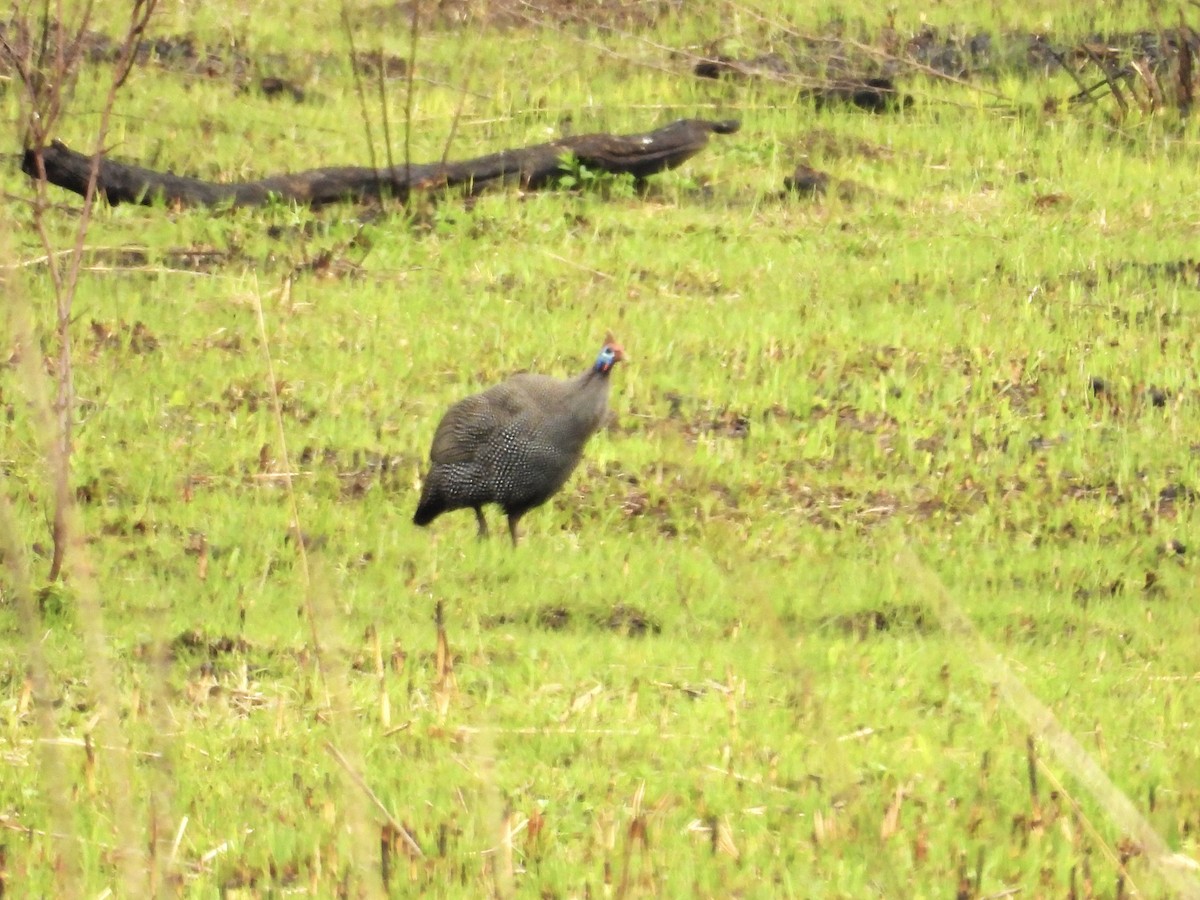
x,y
888,469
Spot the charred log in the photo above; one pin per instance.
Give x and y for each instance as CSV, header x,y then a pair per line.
x,y
539,166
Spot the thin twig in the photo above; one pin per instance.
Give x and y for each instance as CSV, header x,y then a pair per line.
x,y
1110,77
577,265
468,74
80,742
9,824
359,90
183,823
409,95
381,83
1113,856
398,827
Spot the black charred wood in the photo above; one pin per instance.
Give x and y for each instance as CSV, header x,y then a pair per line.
x,y
539,166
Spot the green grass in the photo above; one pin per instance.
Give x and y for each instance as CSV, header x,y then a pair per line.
x,y
718,656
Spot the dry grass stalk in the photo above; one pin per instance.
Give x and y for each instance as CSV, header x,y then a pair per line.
x,y
359,88
1153,98
406,836
637,840
385,702
1185,69
891,817
1163,79
1032,766
1111,76
445,685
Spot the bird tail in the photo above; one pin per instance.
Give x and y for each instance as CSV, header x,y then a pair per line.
x,y
426,513
430,505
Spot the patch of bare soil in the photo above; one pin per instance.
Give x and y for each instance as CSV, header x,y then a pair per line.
x,y
249,395
628,620
1181,271
120,335
867,622
359,470
813,184
553,618
195,642
622,619
697,419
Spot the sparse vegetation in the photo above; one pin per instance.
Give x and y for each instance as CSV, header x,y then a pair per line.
x,y
867,438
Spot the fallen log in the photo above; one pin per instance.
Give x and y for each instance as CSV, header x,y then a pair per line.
x,y
640,155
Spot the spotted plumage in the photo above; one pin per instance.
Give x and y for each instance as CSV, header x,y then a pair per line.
x,y
515,444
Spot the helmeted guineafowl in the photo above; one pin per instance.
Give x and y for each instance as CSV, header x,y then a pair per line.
x,y
515,444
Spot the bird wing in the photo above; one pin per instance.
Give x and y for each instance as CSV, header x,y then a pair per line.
x,y
474,421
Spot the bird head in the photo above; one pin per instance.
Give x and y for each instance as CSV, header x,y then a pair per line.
x,y
610,354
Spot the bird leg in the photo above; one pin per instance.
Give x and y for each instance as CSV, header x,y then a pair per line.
x,y
512,526
483,529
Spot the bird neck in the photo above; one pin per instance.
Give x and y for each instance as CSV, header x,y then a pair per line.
x,y
594,383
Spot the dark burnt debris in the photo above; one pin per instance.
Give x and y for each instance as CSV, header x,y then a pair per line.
x,y
954,52
535,167
1149,68
807,181
877,94
812,184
